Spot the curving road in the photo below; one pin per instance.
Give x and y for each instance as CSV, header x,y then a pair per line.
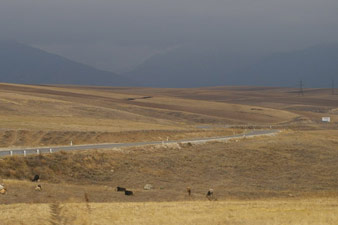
x,y
27,151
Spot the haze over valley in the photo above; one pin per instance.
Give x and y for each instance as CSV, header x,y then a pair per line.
x,y
180,112
182,67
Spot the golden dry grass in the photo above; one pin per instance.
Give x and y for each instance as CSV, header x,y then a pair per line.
x,y
265,212
291,178
59,104
54,115
315,103
300,164
11,138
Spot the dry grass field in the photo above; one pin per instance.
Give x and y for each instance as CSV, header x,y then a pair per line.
x,y
270,212
290,178
55,115
309,108
291,164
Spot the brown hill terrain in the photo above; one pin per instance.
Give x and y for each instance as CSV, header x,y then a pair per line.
x,y
290,178
55,115
291,164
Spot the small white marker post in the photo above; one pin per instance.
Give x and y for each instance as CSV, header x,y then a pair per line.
x,y
24,153
37,151
50,150
11,153
71,143
167,139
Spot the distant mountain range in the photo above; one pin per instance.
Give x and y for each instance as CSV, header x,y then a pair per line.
x,y
315,66
194,66
187,66
20,63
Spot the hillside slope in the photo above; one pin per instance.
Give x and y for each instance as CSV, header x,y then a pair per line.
x,y
23,64
301,163
195,66
316,67
33,115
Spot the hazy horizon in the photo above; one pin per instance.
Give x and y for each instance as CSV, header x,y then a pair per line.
x,y
118,35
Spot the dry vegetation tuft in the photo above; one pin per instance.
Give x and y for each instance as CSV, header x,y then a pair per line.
x,y
55,212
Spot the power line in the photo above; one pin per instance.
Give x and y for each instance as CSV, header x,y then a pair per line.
x,y
301,91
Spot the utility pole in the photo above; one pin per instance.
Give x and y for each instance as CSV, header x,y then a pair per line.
x,y
301,91
332,87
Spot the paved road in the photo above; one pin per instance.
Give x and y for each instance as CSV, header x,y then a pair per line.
x,y
27,151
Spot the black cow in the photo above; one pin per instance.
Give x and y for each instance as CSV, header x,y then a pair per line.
x,y
189,191
126,192
120,189
36,178
210,194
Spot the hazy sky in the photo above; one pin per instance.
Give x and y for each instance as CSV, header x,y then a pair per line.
x,y
118,34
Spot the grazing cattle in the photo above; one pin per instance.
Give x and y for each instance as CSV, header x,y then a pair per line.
x,y
210,194
126,192
38,188
120,189
189,191
3,191
36,178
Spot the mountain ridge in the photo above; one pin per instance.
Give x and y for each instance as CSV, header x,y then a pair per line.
x,y
316,66
20,63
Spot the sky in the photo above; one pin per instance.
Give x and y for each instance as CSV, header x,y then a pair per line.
x,y
117,35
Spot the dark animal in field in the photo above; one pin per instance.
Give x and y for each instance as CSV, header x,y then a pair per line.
x,y
189,191
120,189
210,194
126,192
36,178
